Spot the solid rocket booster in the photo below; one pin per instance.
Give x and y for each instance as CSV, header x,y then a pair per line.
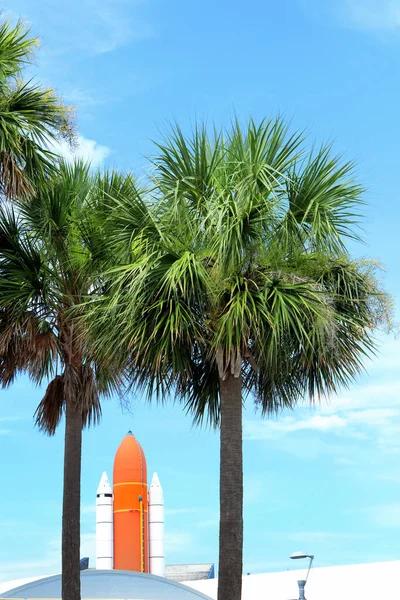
x,y
130,507
156,527
104,525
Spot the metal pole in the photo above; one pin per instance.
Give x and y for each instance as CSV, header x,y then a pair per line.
x,y
302,584
309,567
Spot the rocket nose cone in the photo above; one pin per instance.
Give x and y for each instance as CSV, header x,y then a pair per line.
x,y
129,462
104,485
155,482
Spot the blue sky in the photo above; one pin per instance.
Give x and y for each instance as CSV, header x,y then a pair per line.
x,y
326,480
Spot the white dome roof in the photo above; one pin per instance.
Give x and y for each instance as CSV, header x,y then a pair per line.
x,y
109,584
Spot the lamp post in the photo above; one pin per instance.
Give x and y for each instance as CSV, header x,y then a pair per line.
x,y
302,582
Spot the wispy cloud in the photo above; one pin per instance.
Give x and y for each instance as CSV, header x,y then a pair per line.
x,y
369,411
88,509
382,425
264,430
85,149
49,562
254,488
182,511
88,547
309,537
375,16
88,28
372,14
176,541
213,523
358,431
385,515
84,99
9,421
116,19
14,418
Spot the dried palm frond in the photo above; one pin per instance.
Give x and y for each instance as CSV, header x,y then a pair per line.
x,y
49,412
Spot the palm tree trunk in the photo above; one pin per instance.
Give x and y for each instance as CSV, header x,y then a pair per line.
x,y
231,491
71,582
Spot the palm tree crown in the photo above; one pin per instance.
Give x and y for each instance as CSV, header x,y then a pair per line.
x,y
237,260
50,255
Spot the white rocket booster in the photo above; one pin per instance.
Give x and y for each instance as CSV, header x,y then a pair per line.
x,y
156,527
104,525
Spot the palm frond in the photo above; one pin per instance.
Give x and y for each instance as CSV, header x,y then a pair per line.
x,y
51,408
32,117
324,201
16,48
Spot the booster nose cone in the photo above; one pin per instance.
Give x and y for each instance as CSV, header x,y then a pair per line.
x,y
155,482
156,494
104,485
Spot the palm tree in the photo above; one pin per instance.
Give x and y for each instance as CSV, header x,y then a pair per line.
x,y
236,283
31,116
51,255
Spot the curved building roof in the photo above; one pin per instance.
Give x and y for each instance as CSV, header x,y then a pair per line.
x,y
110,584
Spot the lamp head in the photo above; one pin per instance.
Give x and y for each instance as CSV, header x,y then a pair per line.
x,y
297,555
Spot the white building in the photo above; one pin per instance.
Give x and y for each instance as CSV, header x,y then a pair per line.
x,y
374,581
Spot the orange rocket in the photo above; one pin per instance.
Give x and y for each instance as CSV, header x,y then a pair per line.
x,y
130,507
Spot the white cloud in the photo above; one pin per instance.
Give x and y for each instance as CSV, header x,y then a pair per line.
x,y
347,426
50,561
176,541
385,515
83,98
373,416
181,511
264,430
253,488
373,14
382,425
117,24
309,537
388,355
88,509
207,523
85,149
90,27
14,570
88,547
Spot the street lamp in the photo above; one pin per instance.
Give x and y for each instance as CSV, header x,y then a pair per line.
x,y
302,582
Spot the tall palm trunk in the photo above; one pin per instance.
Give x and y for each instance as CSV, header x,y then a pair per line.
x,y
231,491
71,582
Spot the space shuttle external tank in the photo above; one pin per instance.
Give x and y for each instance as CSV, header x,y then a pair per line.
x,y
130,507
